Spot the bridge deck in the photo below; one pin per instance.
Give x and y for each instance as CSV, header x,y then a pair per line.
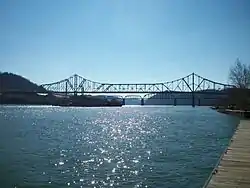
x,y
233,169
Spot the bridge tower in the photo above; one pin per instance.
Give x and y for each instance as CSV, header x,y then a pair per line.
x,y
66,89
193,97
82,91
75,84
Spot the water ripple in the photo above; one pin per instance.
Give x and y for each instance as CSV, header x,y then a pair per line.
x,y
110,147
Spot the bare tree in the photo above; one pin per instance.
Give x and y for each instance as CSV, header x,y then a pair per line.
x,y
239,75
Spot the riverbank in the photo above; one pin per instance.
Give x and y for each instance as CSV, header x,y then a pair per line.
x,y
233,167
239,113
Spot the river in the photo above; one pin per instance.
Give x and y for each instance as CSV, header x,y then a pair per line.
x,y
133,146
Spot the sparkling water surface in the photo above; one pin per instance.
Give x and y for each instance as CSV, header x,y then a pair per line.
x,y
131,146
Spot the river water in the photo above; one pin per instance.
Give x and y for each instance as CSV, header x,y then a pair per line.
x,y
129,146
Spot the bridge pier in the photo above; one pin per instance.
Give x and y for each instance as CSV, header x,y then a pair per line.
x,y
142,101
193,100
175,101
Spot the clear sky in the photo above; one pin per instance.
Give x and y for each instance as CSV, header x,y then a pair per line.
x,y
123,41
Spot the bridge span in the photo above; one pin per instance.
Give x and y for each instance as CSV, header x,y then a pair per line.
x,y
191,85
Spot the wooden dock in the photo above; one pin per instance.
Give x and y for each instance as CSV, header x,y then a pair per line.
x,y
233,168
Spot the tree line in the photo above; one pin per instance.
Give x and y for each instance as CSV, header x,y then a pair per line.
x,y
239,76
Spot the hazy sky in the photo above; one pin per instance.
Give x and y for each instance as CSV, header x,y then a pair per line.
x,y
123,41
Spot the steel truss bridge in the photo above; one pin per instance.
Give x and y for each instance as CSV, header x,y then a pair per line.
x,y
188,87
190,83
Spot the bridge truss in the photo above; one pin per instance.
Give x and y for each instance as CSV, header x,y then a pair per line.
x,y
190,83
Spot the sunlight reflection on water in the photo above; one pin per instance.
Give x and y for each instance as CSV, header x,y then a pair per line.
x,y
113,147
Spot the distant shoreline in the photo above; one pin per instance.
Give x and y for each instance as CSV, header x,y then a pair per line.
x,y
33,104
238,113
